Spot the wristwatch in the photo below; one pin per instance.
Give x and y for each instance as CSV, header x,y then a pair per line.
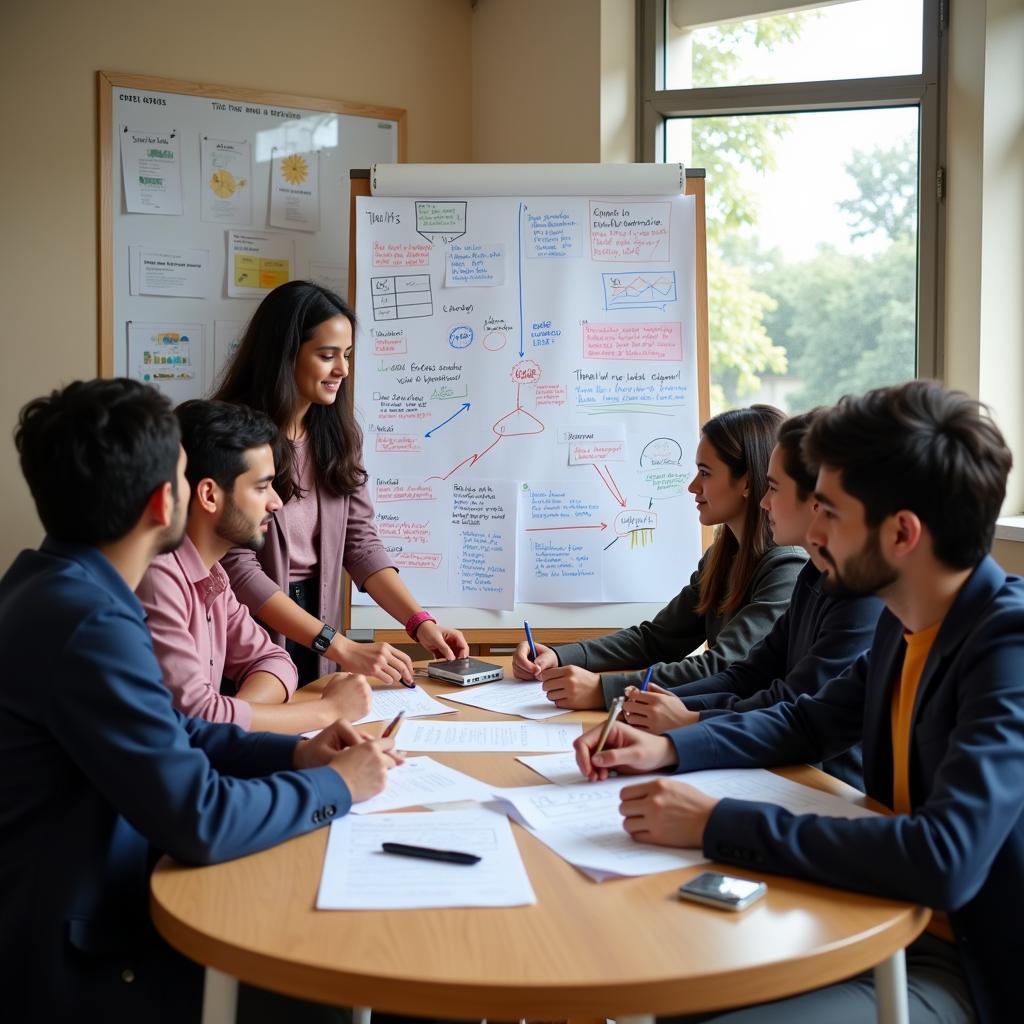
x,y
323,639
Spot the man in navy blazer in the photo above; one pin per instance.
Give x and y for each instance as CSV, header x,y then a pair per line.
x,y
910,482
101,774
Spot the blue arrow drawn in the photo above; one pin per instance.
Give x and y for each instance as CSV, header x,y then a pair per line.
x,y
462,409
519,225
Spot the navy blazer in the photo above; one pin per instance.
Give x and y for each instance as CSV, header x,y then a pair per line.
x,y
100,776
961,849
818,636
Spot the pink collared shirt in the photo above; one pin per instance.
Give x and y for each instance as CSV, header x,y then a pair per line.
x,y
201,633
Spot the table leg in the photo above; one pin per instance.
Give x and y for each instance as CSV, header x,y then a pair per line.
x,y
361,1014
891,990
220,997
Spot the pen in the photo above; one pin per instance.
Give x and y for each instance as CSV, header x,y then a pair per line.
x,y
393,724
529,639
613,713
647,679
429,853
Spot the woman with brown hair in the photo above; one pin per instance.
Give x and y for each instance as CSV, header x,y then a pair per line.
x,y
740,587
292,364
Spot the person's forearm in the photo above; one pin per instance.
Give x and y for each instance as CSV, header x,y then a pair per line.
x,y
263,688
283,615
292,718
386,588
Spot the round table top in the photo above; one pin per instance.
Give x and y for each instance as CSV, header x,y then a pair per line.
x,y
624,946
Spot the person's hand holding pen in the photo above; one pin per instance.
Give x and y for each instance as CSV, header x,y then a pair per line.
x,y
656,710
523,667
626,750
361,760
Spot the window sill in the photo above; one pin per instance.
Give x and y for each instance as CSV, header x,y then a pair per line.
x,y
1010,528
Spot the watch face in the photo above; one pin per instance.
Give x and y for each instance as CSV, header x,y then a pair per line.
x,y
323,639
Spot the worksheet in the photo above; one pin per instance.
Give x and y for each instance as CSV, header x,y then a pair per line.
x,y
508,737
561,769
581,822
509,698
416,703
422,781
358,875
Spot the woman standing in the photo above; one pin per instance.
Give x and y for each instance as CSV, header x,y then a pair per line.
x,y
292,364
740,587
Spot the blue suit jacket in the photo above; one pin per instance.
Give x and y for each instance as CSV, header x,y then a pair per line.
x,y
818,636
100,776
962,848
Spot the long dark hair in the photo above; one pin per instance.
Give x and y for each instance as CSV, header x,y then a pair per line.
x,y
262,375
743,439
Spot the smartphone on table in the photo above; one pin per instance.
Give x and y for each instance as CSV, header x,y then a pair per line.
x,y
723,891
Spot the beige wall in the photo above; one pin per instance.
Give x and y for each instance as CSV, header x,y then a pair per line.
x,y
402,53
536,81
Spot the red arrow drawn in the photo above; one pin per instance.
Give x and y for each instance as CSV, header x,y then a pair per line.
x,y
469,460
610,483
536,529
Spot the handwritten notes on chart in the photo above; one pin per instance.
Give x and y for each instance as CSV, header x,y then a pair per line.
x,y
528,395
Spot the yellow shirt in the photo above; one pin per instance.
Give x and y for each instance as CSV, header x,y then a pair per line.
x,y
903,695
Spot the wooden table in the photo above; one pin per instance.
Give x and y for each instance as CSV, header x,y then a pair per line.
x,y
624,948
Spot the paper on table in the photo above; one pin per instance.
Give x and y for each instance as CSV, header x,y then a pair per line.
x,y
509,698
385,704
582,822
492,736
561,769
420,781
358,875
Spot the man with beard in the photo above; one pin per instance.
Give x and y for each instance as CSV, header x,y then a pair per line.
x,y
201,633
101,774
910,481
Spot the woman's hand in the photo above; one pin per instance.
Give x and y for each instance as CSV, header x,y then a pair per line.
x,y
442,642
524,668
656,710
382,661
569,686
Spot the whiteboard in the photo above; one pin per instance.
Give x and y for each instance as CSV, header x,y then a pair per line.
x,y
339,136
455,299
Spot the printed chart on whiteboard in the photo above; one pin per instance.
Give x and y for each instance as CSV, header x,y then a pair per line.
x,y
527,385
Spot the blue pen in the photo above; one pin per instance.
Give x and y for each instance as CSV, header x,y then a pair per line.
x,y
529,640
647,679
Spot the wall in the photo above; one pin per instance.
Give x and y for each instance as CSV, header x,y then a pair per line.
x,y
984,328
537,81
402,53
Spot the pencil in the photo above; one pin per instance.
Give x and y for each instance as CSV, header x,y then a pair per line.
x,y
613,713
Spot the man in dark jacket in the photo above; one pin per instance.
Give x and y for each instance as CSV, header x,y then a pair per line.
x,y
910,482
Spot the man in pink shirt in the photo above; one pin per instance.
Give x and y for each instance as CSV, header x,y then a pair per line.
x,y
200,631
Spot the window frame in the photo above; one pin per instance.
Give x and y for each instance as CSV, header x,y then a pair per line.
x,y
926,91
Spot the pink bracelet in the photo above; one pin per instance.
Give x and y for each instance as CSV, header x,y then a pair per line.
x,y
416,621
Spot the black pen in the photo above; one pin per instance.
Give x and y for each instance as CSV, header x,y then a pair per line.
x,y
429,853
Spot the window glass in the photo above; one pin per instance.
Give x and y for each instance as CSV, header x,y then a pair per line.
x,y
812,250
823,42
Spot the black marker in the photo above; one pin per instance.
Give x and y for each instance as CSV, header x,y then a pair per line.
x,y
428,853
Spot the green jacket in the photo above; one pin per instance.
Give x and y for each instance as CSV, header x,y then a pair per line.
x,y
666,640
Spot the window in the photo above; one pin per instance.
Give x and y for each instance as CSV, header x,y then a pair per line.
x,y
819,131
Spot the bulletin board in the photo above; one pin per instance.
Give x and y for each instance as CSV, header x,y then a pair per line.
x,y
466,289
229,192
